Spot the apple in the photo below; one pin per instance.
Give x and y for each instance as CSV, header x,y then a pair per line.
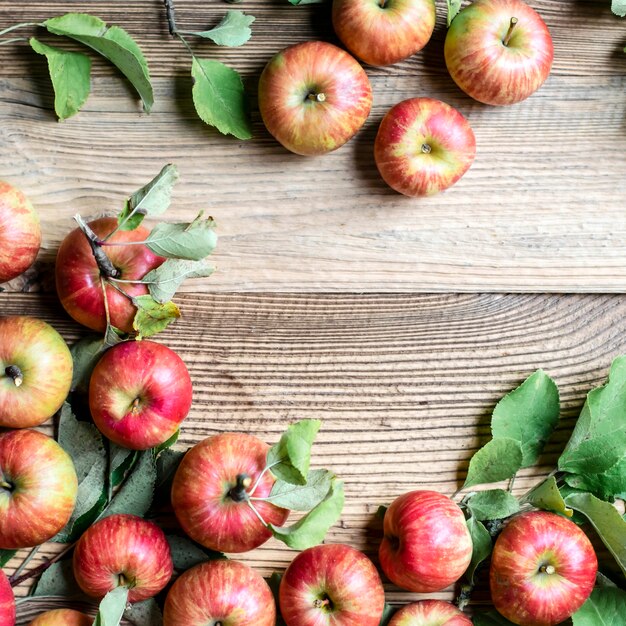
x,y
314,97
543,568
210,491
423,146
427,545
62,617
123,550
139,393
220,592
430,613
35,371
331,585
499,51
382,32
7,601
78,277
38,488
20,233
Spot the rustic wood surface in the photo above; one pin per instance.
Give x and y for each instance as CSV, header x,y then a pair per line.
x,y
540,210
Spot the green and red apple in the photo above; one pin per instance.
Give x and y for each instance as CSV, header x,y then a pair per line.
x,y
430,613
62,617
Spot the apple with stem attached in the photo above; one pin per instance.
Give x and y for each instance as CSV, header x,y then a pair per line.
x,y
543,568
20,233
331,585
123,551
499,52
382,32
139,393
423,146
426,545
62,617
38,488
314,97
7,602
430,613
220,592
218,492
35,371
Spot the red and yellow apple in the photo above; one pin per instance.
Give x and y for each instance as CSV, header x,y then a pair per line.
x,y
62,617
7,602
430,613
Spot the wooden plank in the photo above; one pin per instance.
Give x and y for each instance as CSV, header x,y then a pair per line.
x,y
540,210
405,384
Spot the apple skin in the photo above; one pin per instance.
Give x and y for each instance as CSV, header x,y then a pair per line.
x,y
486,69
384,34
221,591
7,602
200,493
427,545
123,546
520,590
78,277
423,146
290,89
20,233
62,617
331,585
430,613
38,488
139,393
45,370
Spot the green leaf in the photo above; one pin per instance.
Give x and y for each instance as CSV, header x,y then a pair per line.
x,y
234,30
112,606
113,43
497,460
86,353
113,336
528,414
219,98
70,74
299,2
166,444
152,199
599,438
454,6
301,497
605,607
311,529
604,581
491,618
608,523
274,584
164,281
167,464
152,316
619,7
146,613
388,612
609,484
6,556
546,496
289,459
482,545
187,553
58,580
122,460
192,241
492,504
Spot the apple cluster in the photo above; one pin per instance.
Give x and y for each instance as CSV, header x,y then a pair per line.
x,y
315,96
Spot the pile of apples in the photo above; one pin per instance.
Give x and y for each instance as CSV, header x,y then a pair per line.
x,y
314,96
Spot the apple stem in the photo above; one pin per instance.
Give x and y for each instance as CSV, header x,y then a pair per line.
x,y
104,263
238,492
547,569
426,149
14,372
5,485
16,26
317,97
321,602
509,33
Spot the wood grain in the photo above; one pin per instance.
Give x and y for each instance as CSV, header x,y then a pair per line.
x,y
405,384
540,210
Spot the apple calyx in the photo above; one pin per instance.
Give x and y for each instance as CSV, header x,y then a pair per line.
x,y
324,603
15,373
426,148
509,33
239,493
547,569
317,97
107,269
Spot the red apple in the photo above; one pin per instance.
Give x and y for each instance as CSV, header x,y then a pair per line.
x,y
430,613
331,585
499,51
123,550
210,490
78,277
7,601
139,393
543,568
38,488
314,97
220,592
62,617
35,371
427,545
382,32
20,233
423,146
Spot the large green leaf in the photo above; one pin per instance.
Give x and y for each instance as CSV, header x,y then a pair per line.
x,y
234,30
492,504
164,281
301,497
191,241
481,545
609,484
605,607
546,496
497,460
112,606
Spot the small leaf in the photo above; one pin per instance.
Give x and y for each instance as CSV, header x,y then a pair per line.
x,y
289,459
152,316
120,463
301,497
191,242
152,199
6,556
311,529
546,496
113,336
490,618
70,74
187,553
234,30
164,281
274,584
619,7
167,464
605,607
498,460
166,444
146,613
219,98
604,581
454,6
388,612
609,484
58,580
482,546
492,504
299,2
86,353
112,606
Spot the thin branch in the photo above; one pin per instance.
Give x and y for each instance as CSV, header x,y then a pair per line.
x,y
40,569
16,26
24,563
170,12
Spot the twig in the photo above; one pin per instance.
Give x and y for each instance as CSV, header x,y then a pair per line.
x,y
24,563
40,569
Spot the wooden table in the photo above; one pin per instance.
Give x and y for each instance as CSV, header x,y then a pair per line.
x,y
316,309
